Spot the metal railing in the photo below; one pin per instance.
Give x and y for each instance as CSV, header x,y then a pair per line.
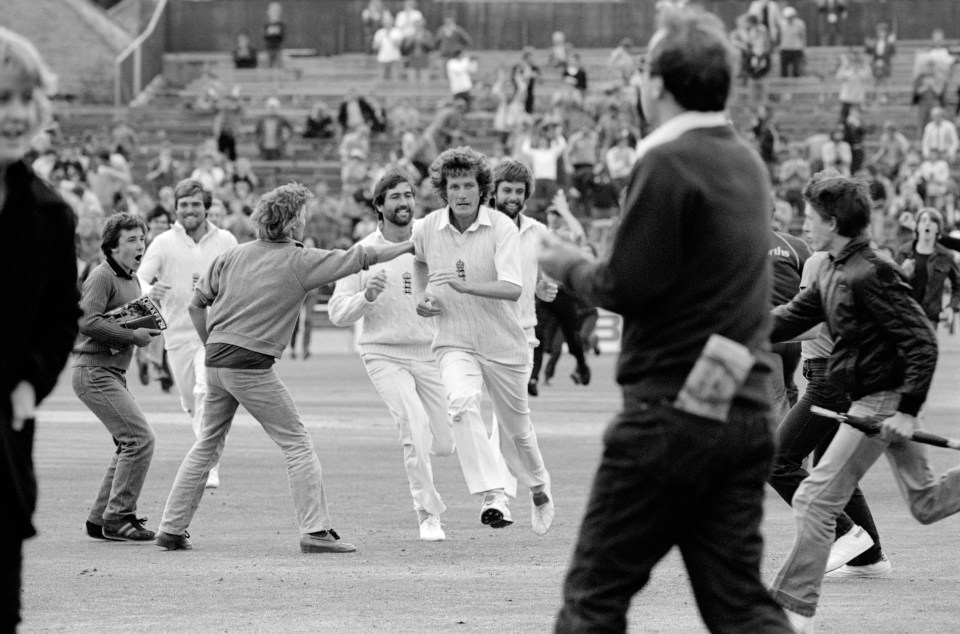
x,y
142,60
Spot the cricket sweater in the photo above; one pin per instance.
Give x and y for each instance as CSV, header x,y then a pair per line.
x,y
108,287
390,325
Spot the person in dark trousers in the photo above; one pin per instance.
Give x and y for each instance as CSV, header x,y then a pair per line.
x,y
39,323
689,265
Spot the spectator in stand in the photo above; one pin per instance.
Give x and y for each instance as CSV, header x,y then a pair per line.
x,y
525,74
769,15
226,123
416,51
793,44
940,135
560,50
357,140
372,19
460,71
766,137
881,49
274,32
935,176
760,48
123,138
928,91
619,159
243,171
210,175
832,14
854,76
574,74
451,38
386,42
854,133
244,55
319,123
404,118
324,218
793,175
355,111
622,61
163,171
273,131
580,158
544,150
836,153
891,151
407,19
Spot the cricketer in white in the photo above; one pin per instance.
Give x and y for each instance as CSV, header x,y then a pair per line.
x,y
395,347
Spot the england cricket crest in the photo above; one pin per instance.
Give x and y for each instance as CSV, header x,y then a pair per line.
x,y
461,271
407,283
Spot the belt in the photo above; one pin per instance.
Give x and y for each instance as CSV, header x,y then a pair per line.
x,y
819,362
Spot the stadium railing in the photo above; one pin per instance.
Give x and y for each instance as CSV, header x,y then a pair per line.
x,y
142,61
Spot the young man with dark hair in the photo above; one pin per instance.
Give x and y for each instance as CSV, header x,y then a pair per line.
x,y
102,355
173,263
244,309
884,355
928,265
689,273
470,256
395,346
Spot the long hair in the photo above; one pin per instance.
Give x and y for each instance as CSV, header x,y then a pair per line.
x,y
278,211
461,161
19,53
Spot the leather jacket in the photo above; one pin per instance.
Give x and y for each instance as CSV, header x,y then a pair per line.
x,y
882,339
940,268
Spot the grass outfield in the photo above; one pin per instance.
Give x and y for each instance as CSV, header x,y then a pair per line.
x,y
246,573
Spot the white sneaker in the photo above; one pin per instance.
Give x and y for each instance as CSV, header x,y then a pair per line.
x,y
870,571
800,624
430,529
543,511
854,542
213,478
495,513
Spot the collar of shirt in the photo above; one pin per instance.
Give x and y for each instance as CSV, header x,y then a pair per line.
x,y
526,223
118,270
483,218
182,232
677,127
857,244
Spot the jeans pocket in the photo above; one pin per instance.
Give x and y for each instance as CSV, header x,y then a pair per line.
x,y
79,384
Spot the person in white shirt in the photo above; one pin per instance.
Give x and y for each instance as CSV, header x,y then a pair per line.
x,y
173,263
460,70
543,152
940,135
470,256
395,347
386,42
407,18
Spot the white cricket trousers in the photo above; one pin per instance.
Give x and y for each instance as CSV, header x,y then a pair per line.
x,y
464,375
190,374
413,392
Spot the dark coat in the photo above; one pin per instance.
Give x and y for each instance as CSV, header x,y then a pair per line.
x,y
38,284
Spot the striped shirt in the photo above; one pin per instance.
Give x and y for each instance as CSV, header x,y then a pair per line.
x,y
489,250
389,325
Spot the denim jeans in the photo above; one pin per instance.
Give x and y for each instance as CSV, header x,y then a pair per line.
x,y
668,478
801,433
266,398
824,493
104,392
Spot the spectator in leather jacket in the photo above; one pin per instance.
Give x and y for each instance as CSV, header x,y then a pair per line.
x,y
884,356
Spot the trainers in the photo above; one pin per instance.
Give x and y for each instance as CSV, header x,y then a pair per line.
x,y
854,542
324,542
495,513
800,624
430,529
128,528
581,376
167,541
875,570
532,388
542,515
95,530
213,478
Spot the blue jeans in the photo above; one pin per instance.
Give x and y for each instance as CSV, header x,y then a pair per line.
x,y
104,392
668,478
825,492
266,398
802,433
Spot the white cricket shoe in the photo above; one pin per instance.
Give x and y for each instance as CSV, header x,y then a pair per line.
x,y
870,571
542,509
430,529
495,513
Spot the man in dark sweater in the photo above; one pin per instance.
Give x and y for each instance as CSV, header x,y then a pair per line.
x,y
689,262
102,355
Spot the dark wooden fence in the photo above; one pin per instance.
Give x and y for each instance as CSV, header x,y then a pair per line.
x,y
333,26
